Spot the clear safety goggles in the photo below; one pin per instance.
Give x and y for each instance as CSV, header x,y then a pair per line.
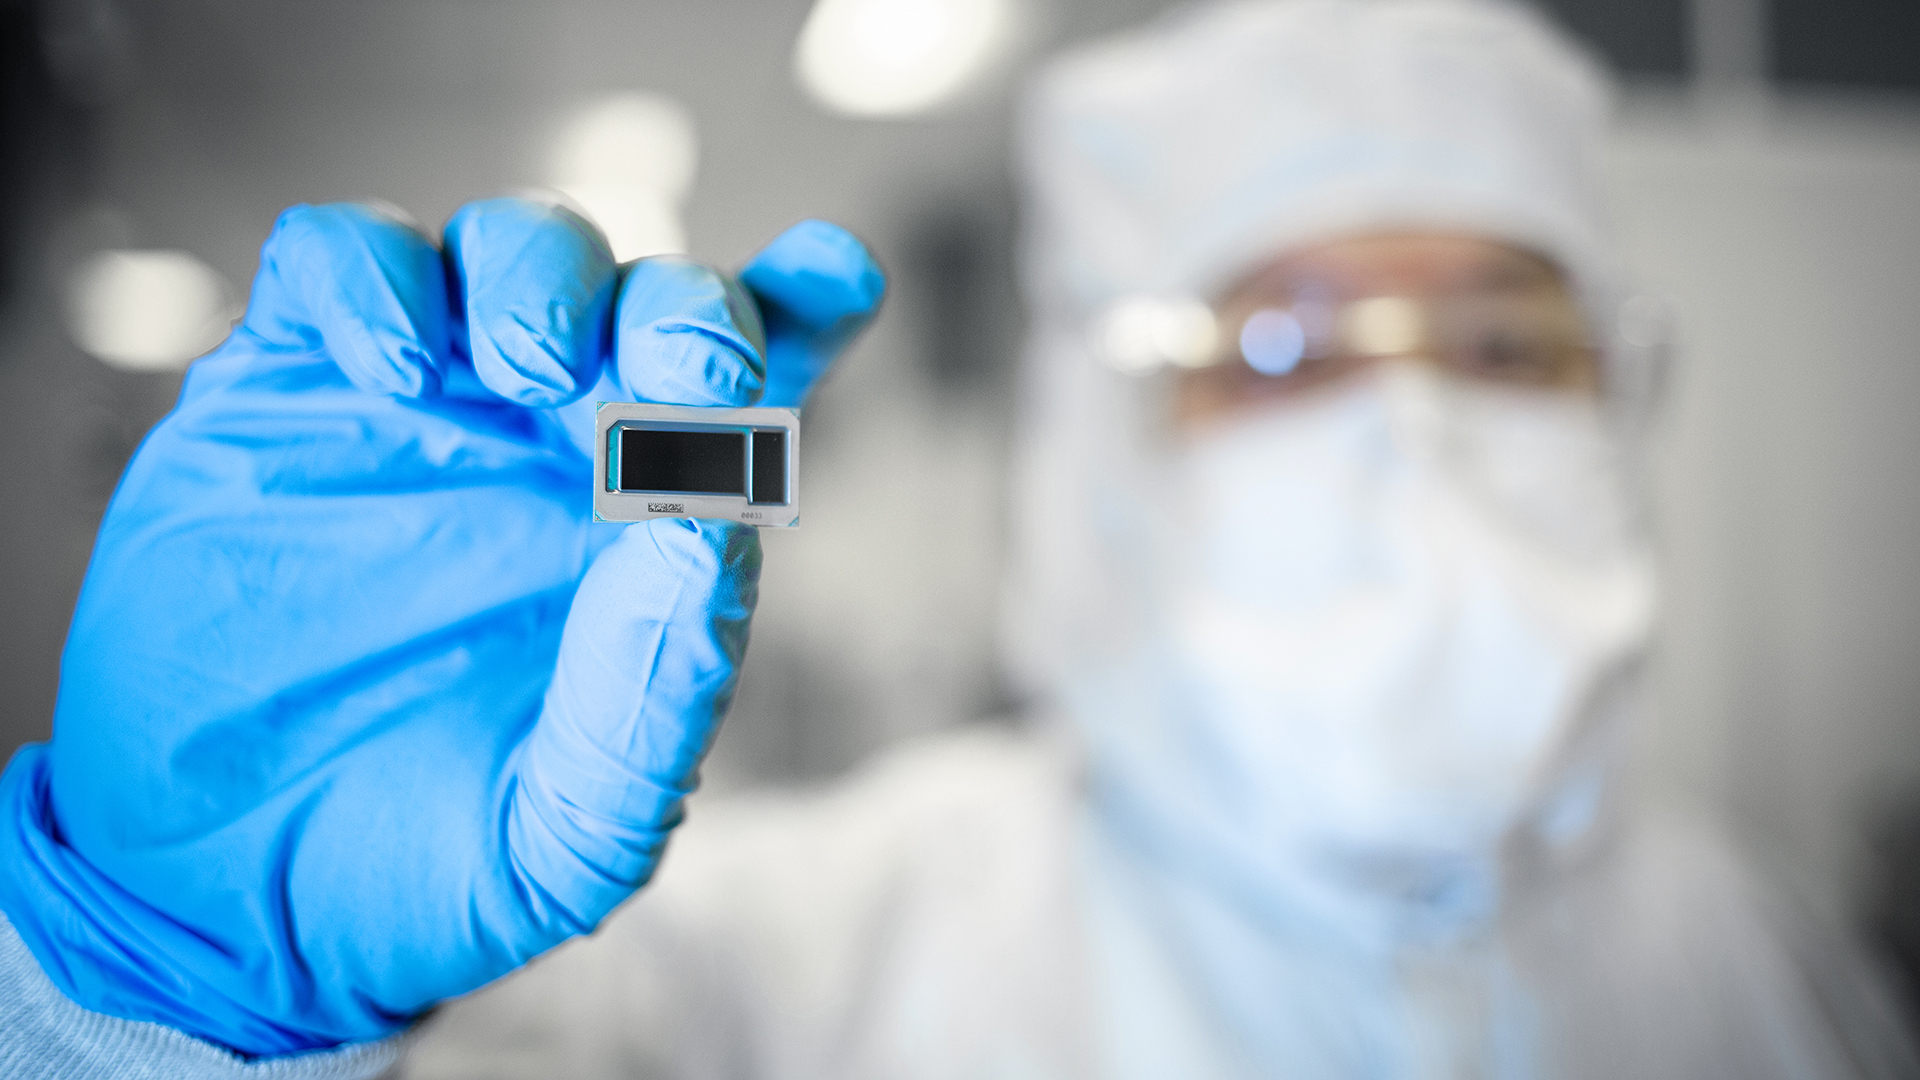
x,y
1532,336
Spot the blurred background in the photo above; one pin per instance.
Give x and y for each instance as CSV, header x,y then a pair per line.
x,y
1766,179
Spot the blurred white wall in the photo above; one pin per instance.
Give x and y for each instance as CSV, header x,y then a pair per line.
x,y
1786,234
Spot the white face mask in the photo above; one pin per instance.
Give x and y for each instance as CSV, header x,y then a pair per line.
x,y
1394,607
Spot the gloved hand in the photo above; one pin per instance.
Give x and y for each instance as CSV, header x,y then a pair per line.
x,y
358,711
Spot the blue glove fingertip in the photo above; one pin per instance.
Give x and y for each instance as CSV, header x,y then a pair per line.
x,y
537,284
817,274
682,339
817,287
362,284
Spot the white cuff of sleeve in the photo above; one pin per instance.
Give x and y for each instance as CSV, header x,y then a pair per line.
x,y
43,1034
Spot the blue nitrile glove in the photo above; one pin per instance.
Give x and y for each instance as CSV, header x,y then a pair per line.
x,y
343,730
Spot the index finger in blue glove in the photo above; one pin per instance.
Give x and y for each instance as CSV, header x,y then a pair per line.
x,y
362,286
685,335
817,287
537,284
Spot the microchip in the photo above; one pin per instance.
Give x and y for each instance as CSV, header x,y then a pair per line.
x,y
683,461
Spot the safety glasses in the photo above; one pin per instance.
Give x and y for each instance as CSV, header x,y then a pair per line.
x,y
1534,336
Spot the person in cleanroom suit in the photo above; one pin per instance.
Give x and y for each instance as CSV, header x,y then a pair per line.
x,y
1336,592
